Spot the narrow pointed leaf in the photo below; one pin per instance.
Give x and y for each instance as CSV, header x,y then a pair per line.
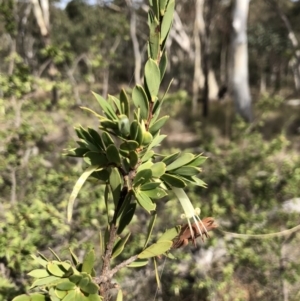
x,y
119,247
39,273
74,257
167,20
163,65
183,159
156,249
124,102
156,274
162,6
126,217
106,107
156,141
171,158
107,140
186,171
88,262
169,234
95,158
51,280
138,263
150,186
199,160
39,260
154,39
77,188
116,101
96,138
173,180
150,228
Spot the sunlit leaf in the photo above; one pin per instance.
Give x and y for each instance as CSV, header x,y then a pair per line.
x,y
77,188
156,249
145,201
173,180
138,263
88,262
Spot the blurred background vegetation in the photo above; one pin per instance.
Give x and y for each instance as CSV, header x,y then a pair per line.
x,y
49,65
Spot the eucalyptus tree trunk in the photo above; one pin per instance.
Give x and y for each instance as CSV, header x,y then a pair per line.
x,y
295,62
239,45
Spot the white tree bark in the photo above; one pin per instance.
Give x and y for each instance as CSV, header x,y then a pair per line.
x,y
239,77
41,12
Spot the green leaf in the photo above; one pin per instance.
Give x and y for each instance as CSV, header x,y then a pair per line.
x,y
31,297
154,39
106,193
107,140
76,152
144,174
150,186
107,124
144,201
163,65
156,249
75,278
167,20
156,141
77,188
66,285
140,100
155,7
55,269
90,288
126,217
88,262
94,297
119,296
158,125
146,165
51,280
124,125
57,294
113,155
133,159
183,159
173,180
129,145
124,103
150,228
138,263
156,274
136,132
106,107
96,138
40,260
119,247
116,101
169,234
148,155
115,184
101,174
171,158
186,171
152,77
55,255
199,160
156,193
71,296
39,273
158,169
162,6
95,158
74,257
